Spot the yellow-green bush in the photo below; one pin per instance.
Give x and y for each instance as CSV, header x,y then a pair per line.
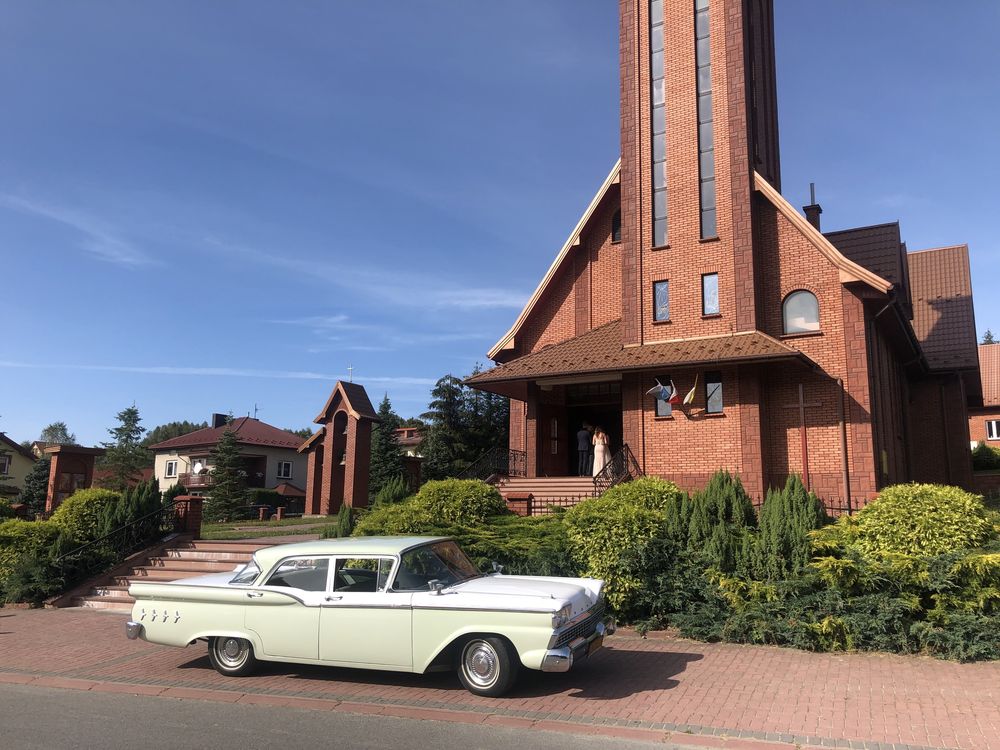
x,y
922,519
81,514
402,518
22,538
468,501
625,518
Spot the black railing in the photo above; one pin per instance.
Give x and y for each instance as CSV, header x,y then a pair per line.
x,y
114,547
621,468
498,462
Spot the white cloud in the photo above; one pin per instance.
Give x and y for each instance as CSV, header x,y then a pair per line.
x,y
98,238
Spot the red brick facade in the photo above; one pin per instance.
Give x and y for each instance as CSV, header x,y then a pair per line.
x,y
862,383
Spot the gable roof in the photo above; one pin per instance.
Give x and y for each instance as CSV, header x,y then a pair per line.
x,y
312,440
355,398
943,317
601,350
16,447
507,342
989,369
849,269
248,431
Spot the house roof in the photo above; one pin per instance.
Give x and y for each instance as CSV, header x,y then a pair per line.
x,y
989,369
879,248
601,350
849,269
287,489
248,431
16,446
507,342
355,397
943,317
311,441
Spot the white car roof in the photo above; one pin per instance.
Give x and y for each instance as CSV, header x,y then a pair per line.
x,y
355,545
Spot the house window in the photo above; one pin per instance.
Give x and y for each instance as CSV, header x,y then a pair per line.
x,y
993,429
706,138
713,392
284,469
171,470
661,300
800,312
4,465
616,227
658,123
710,294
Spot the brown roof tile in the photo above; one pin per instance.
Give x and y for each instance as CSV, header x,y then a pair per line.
x,y
601,350
943,317
248,431
989,368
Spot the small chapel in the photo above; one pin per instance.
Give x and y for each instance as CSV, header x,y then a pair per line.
x,y
705,323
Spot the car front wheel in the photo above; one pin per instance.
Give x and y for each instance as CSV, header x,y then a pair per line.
x,y
232,657
488,666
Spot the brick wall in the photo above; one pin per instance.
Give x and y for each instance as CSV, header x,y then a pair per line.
x,y
977,425
941,452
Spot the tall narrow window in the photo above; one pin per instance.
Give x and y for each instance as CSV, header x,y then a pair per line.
x,y
713,392
616,227
661,300
706,137
658,122
710,294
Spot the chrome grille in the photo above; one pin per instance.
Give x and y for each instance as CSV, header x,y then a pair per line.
x,y
581,629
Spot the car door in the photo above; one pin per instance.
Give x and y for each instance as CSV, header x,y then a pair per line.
x,y
361,621
285,611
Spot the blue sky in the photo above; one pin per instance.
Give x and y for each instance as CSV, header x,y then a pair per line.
x,y
202,209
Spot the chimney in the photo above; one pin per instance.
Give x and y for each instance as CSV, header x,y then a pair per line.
x,y
219,420
813,210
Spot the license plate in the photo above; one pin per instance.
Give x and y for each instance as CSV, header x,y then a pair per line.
x,y
595,644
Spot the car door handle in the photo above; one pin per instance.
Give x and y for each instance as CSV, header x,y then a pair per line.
x,y
254,594
333,598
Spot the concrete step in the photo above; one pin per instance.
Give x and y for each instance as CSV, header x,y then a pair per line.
x,y
207,554
115,603
154,575
203,566
206,545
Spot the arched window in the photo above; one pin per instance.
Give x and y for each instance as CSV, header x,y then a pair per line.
x,y
800,312
616,227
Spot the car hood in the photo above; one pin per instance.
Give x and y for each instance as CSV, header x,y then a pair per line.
x,y
530,592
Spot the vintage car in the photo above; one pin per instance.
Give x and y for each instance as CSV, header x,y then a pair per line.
x,y
408,604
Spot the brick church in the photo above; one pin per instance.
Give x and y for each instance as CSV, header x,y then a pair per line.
x,y
841,356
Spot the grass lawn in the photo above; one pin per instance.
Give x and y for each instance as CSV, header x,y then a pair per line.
x,y
253,529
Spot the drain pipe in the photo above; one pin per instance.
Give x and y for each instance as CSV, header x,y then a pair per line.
x,y
845,465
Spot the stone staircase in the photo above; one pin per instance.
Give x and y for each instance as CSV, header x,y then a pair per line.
x,y
182,559
545,492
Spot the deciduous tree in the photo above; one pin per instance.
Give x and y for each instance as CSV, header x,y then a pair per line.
x,y
57,432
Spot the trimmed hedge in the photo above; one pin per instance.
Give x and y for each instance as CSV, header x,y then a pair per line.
x,y
82,514
466,501
20,539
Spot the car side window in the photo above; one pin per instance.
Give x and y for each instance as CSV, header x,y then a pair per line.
x,y
304,573
361,574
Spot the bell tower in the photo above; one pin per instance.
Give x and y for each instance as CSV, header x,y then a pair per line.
x,y
698,119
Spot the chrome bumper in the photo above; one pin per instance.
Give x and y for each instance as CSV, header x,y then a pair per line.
x,y
562,659
133,630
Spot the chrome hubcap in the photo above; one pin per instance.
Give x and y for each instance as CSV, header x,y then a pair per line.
x,y
481,664
232,651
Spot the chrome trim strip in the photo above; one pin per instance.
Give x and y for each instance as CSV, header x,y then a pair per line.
x,y
546,612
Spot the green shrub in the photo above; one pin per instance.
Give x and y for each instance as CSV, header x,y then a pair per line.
x,y
923,519
82,514
787,517
395,490
536,545
261,496
985,458
173,492
5,510
624,519
466,501
33,579
345,521
402,518
723,502
20,539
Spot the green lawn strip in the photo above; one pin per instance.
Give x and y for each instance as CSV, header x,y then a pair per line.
x,y
229,533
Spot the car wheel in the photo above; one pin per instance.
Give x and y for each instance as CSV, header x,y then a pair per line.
x,y
488,666
232,657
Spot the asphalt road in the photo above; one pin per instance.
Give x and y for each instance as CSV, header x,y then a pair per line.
x,y
33,718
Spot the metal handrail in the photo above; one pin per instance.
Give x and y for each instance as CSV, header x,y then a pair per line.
x,y
498,462
622,467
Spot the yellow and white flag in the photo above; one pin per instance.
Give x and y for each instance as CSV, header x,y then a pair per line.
x,y
689,398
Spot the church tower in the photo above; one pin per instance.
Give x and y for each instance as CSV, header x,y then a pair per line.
x,y
698,118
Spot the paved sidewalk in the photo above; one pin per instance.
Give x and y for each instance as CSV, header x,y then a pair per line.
x,y
704,695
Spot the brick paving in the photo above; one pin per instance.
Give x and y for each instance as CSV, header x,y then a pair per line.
x,y
663,689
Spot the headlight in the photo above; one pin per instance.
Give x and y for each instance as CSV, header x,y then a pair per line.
x,y
561,617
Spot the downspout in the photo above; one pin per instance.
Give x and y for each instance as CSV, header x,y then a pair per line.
x,y
845,466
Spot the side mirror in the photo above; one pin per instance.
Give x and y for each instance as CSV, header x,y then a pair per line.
x,y
436,586
497,567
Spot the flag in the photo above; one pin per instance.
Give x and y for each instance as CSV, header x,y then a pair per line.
x,y
689,399
661,392
674,398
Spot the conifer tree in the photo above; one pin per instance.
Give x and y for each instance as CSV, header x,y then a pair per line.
x,y
36,487
988,337
125,456
228,498
446,445
387,459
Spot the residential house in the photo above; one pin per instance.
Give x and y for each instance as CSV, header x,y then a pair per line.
x,y
15,463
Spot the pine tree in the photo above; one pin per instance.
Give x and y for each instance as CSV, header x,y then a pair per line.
x,y
125,456
446,446
36,487
228,498
488,420
387,459
988,337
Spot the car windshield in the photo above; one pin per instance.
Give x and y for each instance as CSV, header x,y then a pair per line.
x,y
247,574
443,562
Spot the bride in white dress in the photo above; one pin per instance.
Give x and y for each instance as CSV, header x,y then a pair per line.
x,y
601,456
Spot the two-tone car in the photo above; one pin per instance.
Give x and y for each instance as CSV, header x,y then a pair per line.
x,y
407,604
